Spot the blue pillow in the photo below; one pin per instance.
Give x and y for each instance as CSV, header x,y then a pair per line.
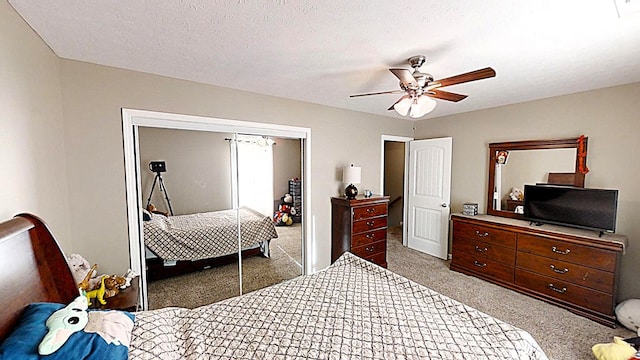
x,y
31,329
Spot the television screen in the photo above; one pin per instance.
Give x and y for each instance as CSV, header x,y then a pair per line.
x,y
571,206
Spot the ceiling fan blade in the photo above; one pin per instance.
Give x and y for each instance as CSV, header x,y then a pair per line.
x,y
466,77
379,93
445,95
394,104
405,77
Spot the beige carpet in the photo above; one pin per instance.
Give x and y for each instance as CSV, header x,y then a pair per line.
x,y
560,333
219,283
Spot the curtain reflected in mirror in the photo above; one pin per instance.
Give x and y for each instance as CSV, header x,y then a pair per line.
x,y
210,233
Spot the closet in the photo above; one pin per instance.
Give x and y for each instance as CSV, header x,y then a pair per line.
x,y
210,169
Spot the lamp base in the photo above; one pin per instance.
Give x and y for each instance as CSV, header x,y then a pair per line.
x,y
351,191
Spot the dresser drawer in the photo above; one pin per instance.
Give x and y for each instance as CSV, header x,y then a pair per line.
x,y
486,234
566,291
570,252
363,212
370,249
485,250
577,274
380,259
368,237
369,224
482,265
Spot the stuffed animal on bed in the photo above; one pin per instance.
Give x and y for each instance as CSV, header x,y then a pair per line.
x,y
62,324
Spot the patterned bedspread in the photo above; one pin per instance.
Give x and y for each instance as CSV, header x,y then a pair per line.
x,y
352,310
206,235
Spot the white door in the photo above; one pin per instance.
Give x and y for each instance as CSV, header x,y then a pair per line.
x,y
429,195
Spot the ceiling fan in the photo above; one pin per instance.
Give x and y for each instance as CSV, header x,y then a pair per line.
x,y
420,88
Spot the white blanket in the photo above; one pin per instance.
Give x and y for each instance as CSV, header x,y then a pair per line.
x,y
352,310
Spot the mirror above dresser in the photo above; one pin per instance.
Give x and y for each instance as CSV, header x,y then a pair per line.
x,y
514,164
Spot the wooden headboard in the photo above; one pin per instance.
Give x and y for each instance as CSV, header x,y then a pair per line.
x,y
32,268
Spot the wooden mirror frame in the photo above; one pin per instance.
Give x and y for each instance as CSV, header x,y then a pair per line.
x,y
575,179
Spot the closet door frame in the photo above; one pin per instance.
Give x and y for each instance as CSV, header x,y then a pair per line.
x,y
132,119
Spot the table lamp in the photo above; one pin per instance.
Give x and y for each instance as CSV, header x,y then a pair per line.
x,y
351,175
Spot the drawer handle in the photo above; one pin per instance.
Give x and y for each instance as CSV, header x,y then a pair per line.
x,y
561,291
555,250
370,236
371,210
476,263
485,234
479,249
370,223
559,271
370,249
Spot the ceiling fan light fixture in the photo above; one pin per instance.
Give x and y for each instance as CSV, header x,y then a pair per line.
x,y
402,107
421,106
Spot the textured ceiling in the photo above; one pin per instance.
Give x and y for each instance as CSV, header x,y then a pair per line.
x,y
323,51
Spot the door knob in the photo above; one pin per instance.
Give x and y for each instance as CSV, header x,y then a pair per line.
x,y
443,205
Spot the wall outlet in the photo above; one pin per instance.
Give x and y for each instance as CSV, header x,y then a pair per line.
x,y
449,256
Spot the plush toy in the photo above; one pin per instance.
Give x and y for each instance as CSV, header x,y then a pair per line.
x,y
287,198
516,194
112,285
86,283
628,313
128,276
617,350
97,293
152,208
82,271
283,215
62,323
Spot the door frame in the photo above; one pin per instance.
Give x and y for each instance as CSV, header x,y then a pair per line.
x,y
132,119
406,140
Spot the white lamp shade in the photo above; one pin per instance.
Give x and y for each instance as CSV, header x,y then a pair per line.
x,y
402,107
422,106
351,175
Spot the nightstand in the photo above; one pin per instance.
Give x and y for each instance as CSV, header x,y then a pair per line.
x,y
126,299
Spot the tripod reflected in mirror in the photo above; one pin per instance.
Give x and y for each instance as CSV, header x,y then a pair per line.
x,y
159,167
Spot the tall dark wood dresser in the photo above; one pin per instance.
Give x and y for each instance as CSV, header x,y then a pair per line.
x,y
360,227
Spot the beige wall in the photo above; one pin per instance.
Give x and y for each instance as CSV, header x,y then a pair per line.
x,y
34,175
198,176
609,117
286,165
93,98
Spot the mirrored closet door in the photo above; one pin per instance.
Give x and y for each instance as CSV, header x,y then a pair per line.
x,y
223,213
191,240
269,185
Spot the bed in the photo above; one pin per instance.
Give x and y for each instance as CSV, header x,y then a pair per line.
x,y
184,243
353,309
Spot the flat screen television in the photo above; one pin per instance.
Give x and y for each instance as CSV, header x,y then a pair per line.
x,y
593,209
